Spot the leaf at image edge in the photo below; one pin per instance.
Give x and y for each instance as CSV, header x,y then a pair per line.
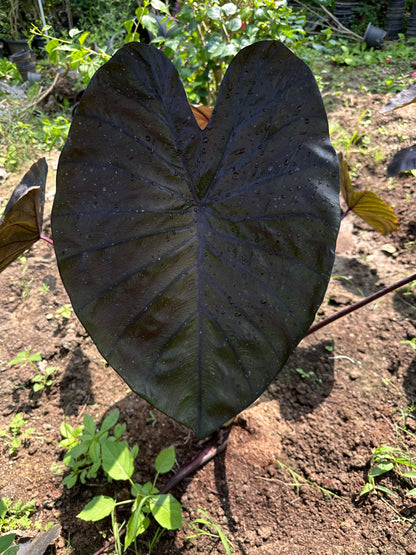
x,y
21,223
404,160
401,99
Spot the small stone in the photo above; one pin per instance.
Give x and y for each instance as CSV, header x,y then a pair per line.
x,y
265,532
388,249
339,299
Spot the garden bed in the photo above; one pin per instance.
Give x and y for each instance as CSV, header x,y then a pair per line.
x,y
289,481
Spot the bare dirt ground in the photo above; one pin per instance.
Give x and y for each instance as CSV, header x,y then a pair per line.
x,y
346,390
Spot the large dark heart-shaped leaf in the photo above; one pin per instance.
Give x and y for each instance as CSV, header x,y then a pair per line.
x,y
21,223
196,259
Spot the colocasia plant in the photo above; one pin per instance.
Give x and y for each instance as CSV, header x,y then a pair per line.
x,y
196,256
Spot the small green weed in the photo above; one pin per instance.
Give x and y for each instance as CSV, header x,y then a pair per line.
x,y
24,358
386,458
89,450
15,516
64,312
15,433
55,131
311,375
410,342
152,419
216,532
118,462
23,281
44,288
85,447
44,378
299,481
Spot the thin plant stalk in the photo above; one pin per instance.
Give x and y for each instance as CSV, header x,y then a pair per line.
x,y
360,304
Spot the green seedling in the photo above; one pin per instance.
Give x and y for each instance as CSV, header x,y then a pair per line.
x,y
152,419
147,500
64,312
24,282
15,434
349,280
44,378
299,481
85,445
44,288
24,358
410,342
15,516
311,375
208,524
386,458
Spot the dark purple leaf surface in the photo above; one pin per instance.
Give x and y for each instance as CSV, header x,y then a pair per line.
x,y
402,161
196,259
21,223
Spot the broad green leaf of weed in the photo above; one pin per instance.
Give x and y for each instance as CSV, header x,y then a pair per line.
x,y
109,421
6,542
409,474
167,511
137,524
119,430
79,450
118,461
89,425
99,507
94,451
229,8
144,490
406,462
70,480
380,469
3,508
165,460
411,492
368,488
383,489
160,6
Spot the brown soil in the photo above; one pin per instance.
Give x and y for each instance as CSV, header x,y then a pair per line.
x,y
323,422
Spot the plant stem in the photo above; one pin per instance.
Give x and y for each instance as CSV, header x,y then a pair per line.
x,y
361,303
201,459
46,239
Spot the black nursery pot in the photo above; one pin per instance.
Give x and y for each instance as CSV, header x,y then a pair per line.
x,y
14,46
344,11
374,36
411,24
394,18
24,62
